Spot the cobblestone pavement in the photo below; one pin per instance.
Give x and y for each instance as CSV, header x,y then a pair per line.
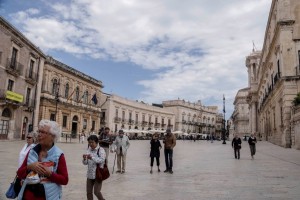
x,y
202,170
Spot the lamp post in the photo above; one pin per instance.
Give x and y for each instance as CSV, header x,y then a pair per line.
x,y
56,99
224,127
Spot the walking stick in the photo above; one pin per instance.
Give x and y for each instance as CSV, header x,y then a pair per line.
x,y
114,162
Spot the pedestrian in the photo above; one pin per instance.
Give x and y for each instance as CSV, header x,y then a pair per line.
x,y
94,155
82,136
121,144
169,143
47,162
105,140
155,151
236,145
30,143
252,144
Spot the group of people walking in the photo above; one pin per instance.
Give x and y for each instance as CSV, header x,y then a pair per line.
x,y
237,145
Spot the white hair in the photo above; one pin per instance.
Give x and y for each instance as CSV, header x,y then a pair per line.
x,y
54,128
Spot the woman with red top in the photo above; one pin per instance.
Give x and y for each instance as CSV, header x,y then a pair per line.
x,y
46,160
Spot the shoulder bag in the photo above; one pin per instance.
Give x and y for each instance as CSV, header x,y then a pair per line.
x,y
102,173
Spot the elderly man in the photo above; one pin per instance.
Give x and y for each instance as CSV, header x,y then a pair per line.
x,y
122,144
170,142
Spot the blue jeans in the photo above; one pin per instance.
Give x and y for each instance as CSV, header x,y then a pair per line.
x,y
169,158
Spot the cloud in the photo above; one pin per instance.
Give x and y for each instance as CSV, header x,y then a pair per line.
x,y
199,45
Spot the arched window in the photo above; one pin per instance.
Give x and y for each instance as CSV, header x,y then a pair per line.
x,y
85,97
76,96
54,86
6,113
67,88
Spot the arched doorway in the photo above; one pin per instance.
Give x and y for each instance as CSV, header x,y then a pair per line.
x,y
74,127
4,123
25,121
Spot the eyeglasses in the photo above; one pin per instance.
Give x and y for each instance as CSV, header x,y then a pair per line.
x,y
43,132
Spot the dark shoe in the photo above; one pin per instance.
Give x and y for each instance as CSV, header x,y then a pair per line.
x,y
150,171
171,172
166,171
118,171
158,170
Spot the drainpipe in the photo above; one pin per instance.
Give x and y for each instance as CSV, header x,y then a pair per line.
x,y
35,96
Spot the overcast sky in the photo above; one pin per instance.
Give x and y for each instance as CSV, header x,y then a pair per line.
x,y
149,50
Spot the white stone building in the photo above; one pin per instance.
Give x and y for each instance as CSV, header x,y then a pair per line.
x,y
274,75
193,117
240,116
121,113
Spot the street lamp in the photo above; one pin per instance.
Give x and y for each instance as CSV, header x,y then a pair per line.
x,y
224,128
56,98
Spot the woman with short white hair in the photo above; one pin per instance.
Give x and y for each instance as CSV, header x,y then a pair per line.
x,y
46,160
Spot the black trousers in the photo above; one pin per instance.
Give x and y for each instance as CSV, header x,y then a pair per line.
x,y
237,153
152,161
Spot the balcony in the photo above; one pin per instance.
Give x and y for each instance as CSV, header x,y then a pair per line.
x,y
14,68
130,122
31,77
117,119
144,123
183,121
29,105
102,122
157,125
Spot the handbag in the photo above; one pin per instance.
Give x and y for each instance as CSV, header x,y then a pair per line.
x,y
102,173
10,193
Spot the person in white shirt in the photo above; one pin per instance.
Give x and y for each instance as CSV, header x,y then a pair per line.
x,y
121,144
29,145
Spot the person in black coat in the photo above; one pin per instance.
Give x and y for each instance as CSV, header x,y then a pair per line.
x,y
236,145
155,151
252,141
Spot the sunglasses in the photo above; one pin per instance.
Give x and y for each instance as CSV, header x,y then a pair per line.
x,y
29,137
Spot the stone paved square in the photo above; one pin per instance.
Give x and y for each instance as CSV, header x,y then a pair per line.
x,y
202,170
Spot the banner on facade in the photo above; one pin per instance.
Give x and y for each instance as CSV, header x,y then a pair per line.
x,y
14,96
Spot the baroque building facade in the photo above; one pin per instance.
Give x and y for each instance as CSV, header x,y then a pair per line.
x,y
194,117
21,68
274,75
240,116
121,113
71,98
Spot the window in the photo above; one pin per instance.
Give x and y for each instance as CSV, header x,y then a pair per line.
x,y
278,67
65,120
13,62
84,123
143,118
54,86
4,127
76,97
85,97
149,118
28,92
93,125
123,116
117,112
52,117
163,121
31,66
169,122
10,85
136,118
67,87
